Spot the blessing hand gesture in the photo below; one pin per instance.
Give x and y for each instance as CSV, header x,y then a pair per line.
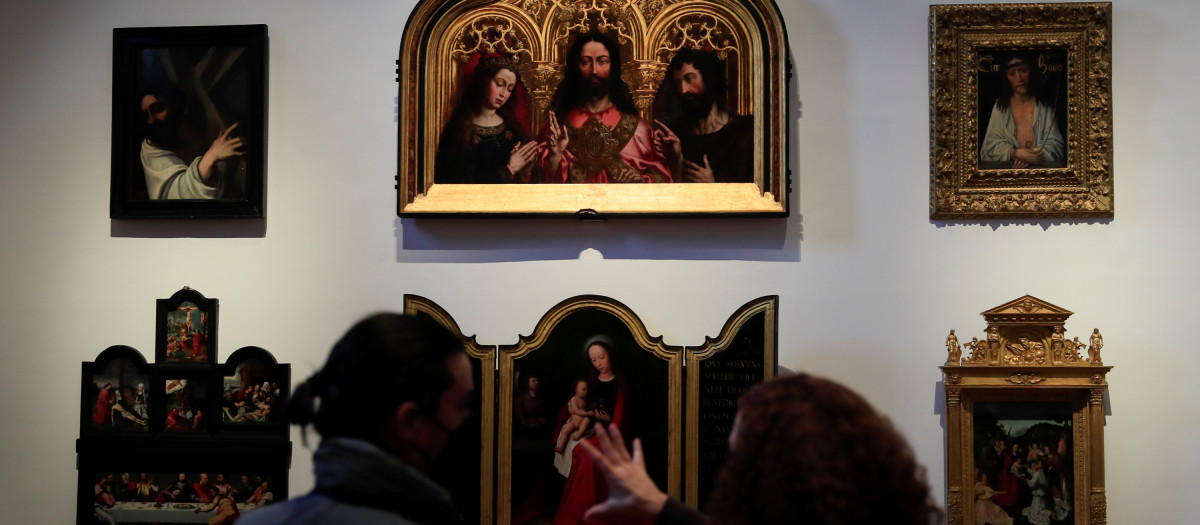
x,y
557,137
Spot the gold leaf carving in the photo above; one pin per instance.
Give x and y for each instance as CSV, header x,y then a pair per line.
x,y
954,507
491,34
1025,379
1099,508
698,31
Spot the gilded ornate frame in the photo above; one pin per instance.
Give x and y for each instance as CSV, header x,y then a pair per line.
x,y
1025,357
441,34
959,35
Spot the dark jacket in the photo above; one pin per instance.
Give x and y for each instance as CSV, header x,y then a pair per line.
x,y
361,484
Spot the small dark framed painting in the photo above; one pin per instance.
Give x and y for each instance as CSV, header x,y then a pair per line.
x,y
187,329
189,122
253,391
186,406
116,393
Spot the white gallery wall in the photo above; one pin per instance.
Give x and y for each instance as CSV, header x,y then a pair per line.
x,y
868,286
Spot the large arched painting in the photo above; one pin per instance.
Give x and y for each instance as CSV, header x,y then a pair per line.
x,y
594,106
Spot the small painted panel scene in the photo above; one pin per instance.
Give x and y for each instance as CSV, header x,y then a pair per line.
x,y
120,398
179,497
590,371
1022,109
593,130
190,122
1024,464
187,334
253,395
186,400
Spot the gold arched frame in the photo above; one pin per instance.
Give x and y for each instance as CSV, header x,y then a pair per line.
x,y
486,355
527,344
427,75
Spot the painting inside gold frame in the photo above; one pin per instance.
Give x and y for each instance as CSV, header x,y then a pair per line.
x,y
533,107
1021,111
1024,461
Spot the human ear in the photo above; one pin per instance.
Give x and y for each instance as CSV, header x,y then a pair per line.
x,y
405,422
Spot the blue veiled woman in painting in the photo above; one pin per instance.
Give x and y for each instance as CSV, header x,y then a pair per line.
x,y
486,139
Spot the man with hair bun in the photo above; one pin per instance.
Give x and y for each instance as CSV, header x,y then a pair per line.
x,y
392,392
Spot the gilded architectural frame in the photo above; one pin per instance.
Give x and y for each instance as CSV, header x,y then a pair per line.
x,y
1025,358
441,34
963,39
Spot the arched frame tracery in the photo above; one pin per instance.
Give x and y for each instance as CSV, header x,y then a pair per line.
x,y
442,35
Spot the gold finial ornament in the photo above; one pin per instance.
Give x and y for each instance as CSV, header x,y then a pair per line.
x,y
953,349
1025,332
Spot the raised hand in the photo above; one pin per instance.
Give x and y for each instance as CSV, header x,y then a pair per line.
x,y
666,141
557,137
520,160
223,147
631,492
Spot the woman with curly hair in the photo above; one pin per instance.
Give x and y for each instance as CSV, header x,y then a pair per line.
x,y
803,450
